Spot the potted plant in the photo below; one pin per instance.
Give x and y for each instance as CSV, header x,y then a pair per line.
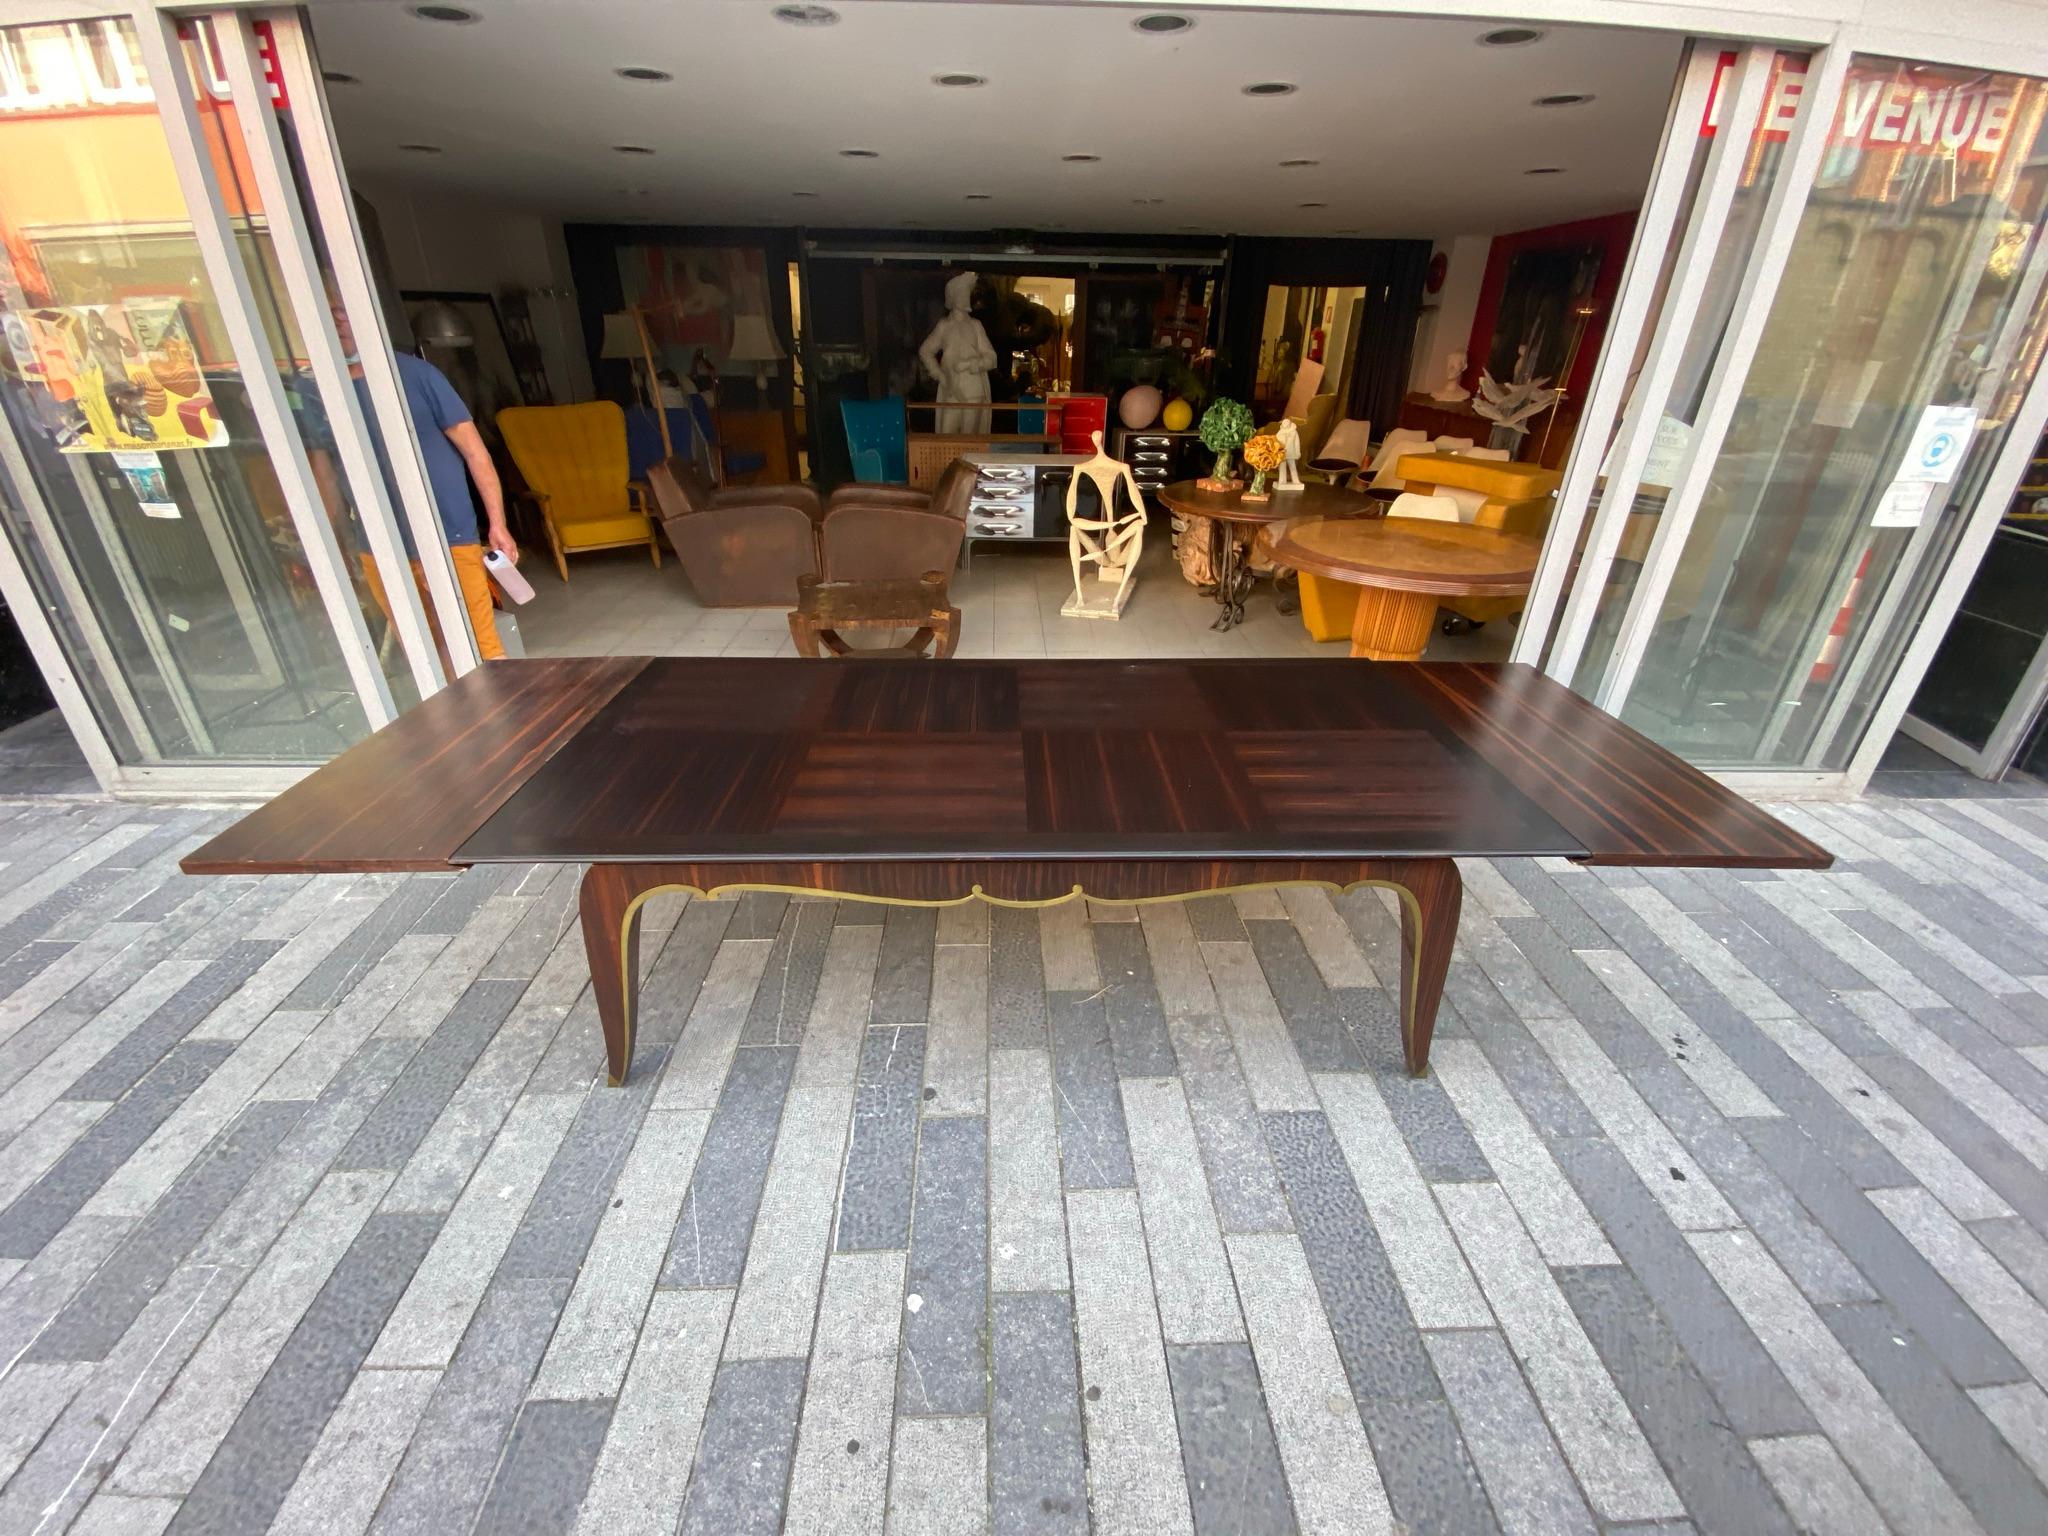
x,y
1226,426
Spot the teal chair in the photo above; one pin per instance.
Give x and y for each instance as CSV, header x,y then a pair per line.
x,y
877,440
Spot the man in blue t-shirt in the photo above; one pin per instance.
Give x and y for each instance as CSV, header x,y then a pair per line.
x,y
454,454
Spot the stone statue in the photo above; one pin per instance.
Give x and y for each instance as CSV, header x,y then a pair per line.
x,y
1289,476
958,356
1451,391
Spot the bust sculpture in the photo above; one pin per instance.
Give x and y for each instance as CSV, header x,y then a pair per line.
x,y
957,355
1451,391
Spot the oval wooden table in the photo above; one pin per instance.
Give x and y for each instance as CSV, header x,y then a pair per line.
x,y
1402,566
1235,523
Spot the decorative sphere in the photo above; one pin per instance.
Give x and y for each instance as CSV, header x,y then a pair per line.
x,y
1139,406
1177,415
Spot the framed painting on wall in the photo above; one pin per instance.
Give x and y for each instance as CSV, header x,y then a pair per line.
x,y
1544,289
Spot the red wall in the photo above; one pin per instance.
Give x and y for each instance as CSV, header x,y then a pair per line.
x,y
1611,232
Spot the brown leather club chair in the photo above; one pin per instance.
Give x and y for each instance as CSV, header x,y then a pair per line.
x,y
890,532
742,546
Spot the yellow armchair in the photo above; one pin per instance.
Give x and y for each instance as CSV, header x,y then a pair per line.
x,y
574,460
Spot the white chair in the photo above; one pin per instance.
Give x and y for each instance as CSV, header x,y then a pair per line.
x,y
1400,441
1436,509
1343,454
1308,379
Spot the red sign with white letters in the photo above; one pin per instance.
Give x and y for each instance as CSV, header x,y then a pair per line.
x,y
1889,110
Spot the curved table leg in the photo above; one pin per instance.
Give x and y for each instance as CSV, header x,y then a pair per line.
x,y
609,903
1434,894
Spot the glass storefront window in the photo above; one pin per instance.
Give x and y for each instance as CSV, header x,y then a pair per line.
x,y
151,520
1878,398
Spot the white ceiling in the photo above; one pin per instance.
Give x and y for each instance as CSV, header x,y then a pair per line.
x,y
1419,130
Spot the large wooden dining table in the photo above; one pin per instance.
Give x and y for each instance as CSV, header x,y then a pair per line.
x,y
1402,565
1022,783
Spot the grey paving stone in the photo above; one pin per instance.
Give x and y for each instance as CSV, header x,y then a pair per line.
x,y
540,1483
461,898
1550,895
555,1233
1949,1425
448,1466
1242,1182
743,1456
1503,1429
1138,1039
1429,1477
122,1067
366,943
1967,1349
710,1243
1095,1150
874,1199
1313,1021
1376,1338
757,915
245,1483
1437,1138
1546,1098
2020,1248
860,914
40,1211
1036,1470
94,1320
903,969
1214,918
1016,979
672,985
790,979
1706,1460
394,1129
945,1367
1235,1480
1989,1156
1752,1392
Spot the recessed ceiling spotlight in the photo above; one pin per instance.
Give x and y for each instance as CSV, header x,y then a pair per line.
x,y
803,194
631,149
1564,99
635,192
421,149
642,72
1296,165
806,15
336,77
979,197
960,80
1544,170
860,154
1270,88
1148,202
1510,37
1080,159
1311,205
1162,24
449,13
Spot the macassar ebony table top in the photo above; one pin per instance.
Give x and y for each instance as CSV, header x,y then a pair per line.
x,y
735,759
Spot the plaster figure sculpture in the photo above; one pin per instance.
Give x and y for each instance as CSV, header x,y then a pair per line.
x,y
1289,476
957,355
1451,390
1110,543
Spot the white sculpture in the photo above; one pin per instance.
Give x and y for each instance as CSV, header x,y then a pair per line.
x,y
1111,543
958,356
1451,390
1288,476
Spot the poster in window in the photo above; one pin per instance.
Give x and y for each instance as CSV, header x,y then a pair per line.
x,y
117,377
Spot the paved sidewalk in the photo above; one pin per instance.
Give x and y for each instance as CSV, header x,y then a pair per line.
x,y
1722,1210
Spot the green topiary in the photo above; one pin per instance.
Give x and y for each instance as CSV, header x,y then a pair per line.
x,y
1226,427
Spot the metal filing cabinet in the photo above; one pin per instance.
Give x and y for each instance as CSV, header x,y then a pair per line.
x,y
1019,497
1157,457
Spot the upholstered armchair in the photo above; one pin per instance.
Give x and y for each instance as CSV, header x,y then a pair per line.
x,y
741,546
573,458
888,532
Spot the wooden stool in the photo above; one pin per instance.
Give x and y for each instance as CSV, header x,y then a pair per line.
x,y
823,608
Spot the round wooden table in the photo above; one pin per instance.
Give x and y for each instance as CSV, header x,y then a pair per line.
x,y
1402,566
1235,522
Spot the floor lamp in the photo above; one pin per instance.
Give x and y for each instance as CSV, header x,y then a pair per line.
x,y
625,335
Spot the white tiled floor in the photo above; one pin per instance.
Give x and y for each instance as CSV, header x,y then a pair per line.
x,y
618,604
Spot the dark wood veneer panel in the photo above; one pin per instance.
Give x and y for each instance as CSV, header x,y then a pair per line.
x,y
409,796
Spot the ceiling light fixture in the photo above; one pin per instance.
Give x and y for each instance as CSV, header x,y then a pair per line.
x,y
1079,159
803,194
860,154
1564,99
449,13
1510,37
1162,24
631,149
1296,165
642,72
960,81
1311,205
1269,88
979,197
1544,170
421,149
336,77
806,15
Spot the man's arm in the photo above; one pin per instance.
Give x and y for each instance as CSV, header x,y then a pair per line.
x,y
470,444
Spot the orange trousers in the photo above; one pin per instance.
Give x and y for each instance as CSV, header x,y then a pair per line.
x,y
475,583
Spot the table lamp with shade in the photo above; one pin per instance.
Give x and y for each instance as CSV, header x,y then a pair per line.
x,y
753,342
437,323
